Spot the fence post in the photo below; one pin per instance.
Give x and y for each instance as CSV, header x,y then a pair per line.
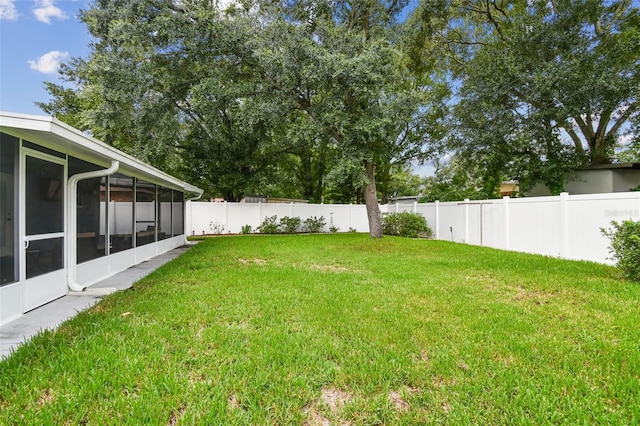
x,y
564,225
293,213
437,233
466,221
259,213
226,216
507,221
415,207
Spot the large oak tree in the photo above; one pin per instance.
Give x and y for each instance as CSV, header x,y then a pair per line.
x,y
226,95
542,86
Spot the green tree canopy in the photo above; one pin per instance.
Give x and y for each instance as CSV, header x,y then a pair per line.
x,y
233,98
542,86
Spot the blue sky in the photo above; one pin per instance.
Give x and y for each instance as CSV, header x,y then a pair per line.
x,y
35,36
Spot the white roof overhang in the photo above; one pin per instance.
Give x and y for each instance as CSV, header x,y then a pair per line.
x,y
56,135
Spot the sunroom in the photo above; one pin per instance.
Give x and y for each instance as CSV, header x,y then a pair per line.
x,y
74,211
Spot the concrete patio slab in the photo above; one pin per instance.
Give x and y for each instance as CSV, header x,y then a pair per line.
x,y
51,315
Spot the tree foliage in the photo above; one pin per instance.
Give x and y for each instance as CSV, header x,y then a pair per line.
x,y
332,100
234,98
543,86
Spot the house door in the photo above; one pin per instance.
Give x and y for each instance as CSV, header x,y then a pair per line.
x,y
43,229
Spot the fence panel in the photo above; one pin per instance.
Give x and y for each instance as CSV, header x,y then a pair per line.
x,y
534,225
203,215
429,211
346,217
587,214
238,215
451,222
564,226
208,218
275,209
493,224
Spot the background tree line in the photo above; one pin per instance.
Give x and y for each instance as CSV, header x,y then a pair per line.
x,y
334,101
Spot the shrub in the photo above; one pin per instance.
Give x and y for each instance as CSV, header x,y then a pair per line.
x,y
405,224
289,225
333,229
216,228
625,247
269,225
246,229
313,224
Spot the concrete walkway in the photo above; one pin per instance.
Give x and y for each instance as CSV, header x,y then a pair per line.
x,y
51,315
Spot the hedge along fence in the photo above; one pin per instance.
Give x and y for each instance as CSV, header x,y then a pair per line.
x,y
566,226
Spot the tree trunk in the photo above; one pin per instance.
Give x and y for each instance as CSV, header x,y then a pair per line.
x,y
371,200
601,150
384,181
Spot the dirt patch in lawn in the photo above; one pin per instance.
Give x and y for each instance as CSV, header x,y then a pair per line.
x,y
536,297
396,399
45,397
256,261
335,400
329,268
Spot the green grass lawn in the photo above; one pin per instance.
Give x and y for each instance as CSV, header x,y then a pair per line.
x,y
341,329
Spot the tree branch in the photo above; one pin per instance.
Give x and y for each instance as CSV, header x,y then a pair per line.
x,y
634,107
586,131
605,117
577,142
196,118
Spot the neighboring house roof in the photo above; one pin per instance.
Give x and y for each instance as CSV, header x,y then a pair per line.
x,y
612,166
54,134
406,198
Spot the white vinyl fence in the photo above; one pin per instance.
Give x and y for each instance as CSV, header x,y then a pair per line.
x,y
223,218
566,226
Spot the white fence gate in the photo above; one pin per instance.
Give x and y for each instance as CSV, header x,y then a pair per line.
x,y
566,226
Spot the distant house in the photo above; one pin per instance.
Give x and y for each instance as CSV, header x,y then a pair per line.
x,y
74,210
272,200
509,187
606,178
408,199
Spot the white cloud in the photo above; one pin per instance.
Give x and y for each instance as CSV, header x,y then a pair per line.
x,y
8,10
49,62
46,10
626,139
